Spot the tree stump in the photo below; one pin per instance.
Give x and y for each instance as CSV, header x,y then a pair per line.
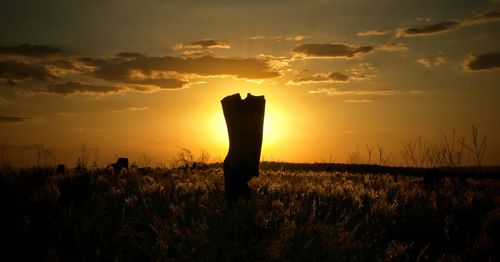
x,y
245,124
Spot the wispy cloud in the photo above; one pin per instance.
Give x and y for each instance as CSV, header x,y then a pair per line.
x,y
431,62
485,61
393,47
292,37
71,88
130,109
30,50
445,26
379,32
12,119
331,51
362,71
192,53
206,43
333,77
336,92
358,101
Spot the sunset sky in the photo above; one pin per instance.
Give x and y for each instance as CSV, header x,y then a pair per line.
x,y
132,77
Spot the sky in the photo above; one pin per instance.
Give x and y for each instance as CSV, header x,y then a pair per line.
x,y
144,79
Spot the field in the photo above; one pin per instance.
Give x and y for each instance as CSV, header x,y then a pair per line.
x,y
181,215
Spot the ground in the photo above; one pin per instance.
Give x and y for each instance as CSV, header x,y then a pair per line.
x,y
160,214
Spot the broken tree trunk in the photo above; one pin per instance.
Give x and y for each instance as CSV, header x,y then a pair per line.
x,y
245,123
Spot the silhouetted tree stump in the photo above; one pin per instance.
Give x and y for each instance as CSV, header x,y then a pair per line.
x,y
245,123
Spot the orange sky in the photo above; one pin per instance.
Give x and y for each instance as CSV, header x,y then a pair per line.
x,y
126,78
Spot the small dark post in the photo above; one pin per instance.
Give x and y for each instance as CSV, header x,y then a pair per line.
x,y
121,163
245,124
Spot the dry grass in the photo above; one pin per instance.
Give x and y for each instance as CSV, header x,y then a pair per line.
x,y
177,215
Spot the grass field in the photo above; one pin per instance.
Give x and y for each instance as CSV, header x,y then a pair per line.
x,y
175,215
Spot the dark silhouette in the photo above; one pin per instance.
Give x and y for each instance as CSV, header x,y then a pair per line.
x,y
121,162
74,191
245,123
60,169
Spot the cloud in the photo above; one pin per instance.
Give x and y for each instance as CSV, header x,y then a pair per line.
x,y
333,77
336,92
12,119
37,62
169,72
358,101
11,70
484,61
128,55
442,27
192,53
92,62
429,62
130,109
30,50
427,30
362,71
276,63
378,32
393,47
71,88
491,16
331,50
296,38
207,43
132,70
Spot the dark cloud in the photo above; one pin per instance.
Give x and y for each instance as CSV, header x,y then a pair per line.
x,y
30,50
441,27
316,78
11,70
208,43
331,50
146,69
36,62
483,61
128,55
428,30
70,88
132,70
12,119
98,62
163,83
338,77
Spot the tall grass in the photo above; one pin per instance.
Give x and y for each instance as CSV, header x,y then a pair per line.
x,y
171,215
